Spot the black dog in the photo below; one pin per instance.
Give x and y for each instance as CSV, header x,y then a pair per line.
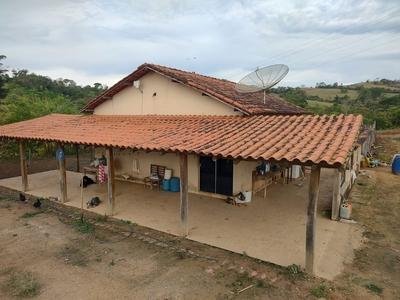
x,y
94,202
87,181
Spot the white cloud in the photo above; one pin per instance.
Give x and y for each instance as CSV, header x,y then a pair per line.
x,y
103,41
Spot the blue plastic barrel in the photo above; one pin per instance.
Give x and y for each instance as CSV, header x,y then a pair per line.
x,y
166,184
396,164
175,184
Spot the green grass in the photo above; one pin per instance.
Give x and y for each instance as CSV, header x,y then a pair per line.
x,y
329,94
314,103
294,269
7,198
7,206
319,292
6,271
79,262
22,284
374,288
32,214
369,85
101,218
84,227
126,222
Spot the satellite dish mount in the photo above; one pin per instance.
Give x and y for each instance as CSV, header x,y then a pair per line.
x,y
261,80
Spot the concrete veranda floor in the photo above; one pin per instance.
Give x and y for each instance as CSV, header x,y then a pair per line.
x,y
272,229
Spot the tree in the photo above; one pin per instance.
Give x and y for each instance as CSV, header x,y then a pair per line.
x,y
3,78
23,105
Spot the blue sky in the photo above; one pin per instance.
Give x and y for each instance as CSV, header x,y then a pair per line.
x,y
329,41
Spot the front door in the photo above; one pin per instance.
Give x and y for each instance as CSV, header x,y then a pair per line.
x,y
216,176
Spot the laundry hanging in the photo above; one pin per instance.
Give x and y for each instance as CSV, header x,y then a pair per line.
x,y
103,171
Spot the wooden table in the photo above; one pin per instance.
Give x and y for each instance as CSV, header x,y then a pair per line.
x,y
260,182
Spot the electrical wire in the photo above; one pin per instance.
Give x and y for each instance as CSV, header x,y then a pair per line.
x,y
324,40
340,58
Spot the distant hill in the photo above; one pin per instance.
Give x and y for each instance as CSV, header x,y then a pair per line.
x,y
377,101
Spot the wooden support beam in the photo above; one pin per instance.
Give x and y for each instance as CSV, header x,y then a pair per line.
x,y
24,171
347,180
63,174
358,160
77,158
183,163
111,180
336,195
311,218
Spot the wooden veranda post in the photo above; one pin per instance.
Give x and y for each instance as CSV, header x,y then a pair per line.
x,y
311,217
77,158
336,195
111,180
24,171
63,173
183,162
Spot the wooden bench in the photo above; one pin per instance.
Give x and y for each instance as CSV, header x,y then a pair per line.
x,y
156,177
92,170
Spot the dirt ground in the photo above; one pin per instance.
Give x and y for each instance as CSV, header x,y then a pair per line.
x,y
124,261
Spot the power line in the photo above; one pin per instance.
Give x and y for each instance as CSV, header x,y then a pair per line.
x,y
342,46
324,37
328,62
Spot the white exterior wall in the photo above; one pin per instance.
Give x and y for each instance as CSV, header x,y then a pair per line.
x,y
171,99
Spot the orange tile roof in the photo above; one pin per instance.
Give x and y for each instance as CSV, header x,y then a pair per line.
x,y
223,90
324,140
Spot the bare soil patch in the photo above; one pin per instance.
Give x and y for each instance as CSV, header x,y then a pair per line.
x,y
109,259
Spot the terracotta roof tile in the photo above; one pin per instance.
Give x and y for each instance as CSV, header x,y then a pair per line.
x,y
296,139
221,89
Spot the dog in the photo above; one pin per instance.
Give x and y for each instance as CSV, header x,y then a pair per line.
x,y
87,181
238,199
94,202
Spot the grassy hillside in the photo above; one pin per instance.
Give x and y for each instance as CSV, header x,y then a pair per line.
x,y
393,86
378,102
322,96
329,94
314,103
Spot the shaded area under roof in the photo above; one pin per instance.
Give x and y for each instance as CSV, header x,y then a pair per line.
x,y
223,90
323,140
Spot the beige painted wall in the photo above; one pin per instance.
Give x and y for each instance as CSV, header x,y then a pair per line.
x,y
242,176
171,99
123,163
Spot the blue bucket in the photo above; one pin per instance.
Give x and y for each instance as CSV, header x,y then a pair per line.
x,y
396,164
175,184
166,184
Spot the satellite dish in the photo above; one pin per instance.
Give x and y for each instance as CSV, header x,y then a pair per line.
x,y
262,80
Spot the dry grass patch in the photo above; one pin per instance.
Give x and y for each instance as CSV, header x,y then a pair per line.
x,y
21,284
